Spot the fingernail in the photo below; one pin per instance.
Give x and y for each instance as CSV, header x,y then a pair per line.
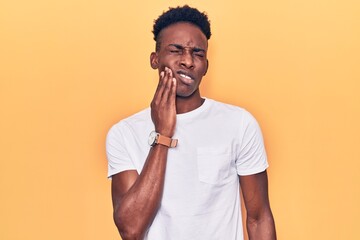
x,y
162,74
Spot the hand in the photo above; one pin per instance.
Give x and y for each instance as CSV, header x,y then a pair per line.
x,y
163,108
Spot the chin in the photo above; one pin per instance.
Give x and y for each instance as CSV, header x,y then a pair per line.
x,y
185,94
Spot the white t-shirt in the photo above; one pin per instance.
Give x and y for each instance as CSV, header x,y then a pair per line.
x,y
217,142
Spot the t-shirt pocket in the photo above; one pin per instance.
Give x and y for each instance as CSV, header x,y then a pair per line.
x,y
214,164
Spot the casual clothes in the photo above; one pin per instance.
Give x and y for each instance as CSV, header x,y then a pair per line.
x,y
201,200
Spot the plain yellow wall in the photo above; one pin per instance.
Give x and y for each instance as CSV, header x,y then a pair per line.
x,y
70,69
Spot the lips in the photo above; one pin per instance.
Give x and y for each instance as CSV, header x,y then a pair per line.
x,y
185,77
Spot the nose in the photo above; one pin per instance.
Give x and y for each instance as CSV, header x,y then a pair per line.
x,y
187,60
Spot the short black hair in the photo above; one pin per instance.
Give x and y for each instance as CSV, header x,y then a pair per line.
x,y
181,14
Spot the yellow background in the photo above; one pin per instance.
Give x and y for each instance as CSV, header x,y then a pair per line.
x,y
70,69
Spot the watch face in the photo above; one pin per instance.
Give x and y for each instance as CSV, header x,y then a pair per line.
x,y
152,138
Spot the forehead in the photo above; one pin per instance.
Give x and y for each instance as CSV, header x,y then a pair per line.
x,y
184,34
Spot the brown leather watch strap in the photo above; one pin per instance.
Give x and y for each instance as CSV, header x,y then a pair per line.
x,y
166,141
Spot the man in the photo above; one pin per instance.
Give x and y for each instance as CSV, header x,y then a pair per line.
x,y
183,181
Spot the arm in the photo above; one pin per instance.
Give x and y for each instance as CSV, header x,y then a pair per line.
x,y
136,198
259,221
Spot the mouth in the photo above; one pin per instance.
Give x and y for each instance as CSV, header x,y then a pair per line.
x,y
185,77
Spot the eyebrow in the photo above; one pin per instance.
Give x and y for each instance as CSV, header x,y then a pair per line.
x,y
178,46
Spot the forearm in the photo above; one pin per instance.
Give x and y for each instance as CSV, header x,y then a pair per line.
x,y
136,198
262,227
139,205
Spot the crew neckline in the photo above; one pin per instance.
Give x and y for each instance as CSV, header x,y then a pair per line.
x,y
203,107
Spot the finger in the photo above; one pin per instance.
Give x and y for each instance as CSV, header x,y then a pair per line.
x,y
172,95
159,89
167,86
161,77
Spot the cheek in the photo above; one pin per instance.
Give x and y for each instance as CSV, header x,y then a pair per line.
x,y
167,62
203,68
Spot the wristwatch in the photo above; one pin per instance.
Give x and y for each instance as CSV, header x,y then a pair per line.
x,y
156,138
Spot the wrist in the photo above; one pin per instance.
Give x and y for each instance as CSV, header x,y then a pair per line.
x,y
165,133
156,138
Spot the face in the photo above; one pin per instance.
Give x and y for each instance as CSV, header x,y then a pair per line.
x,y
183,49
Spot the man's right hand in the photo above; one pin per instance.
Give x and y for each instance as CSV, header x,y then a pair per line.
x,y
163,105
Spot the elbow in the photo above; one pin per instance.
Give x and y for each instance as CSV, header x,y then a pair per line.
x,y
257,218
126,230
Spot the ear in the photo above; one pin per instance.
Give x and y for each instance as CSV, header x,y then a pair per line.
x,y
154,60
207,66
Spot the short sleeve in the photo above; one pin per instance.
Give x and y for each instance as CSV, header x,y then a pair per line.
x,y
251,157
117,153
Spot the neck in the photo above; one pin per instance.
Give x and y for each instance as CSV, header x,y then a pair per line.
x,y
187,104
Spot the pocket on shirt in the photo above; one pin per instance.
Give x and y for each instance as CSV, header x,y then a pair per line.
x,y
214,164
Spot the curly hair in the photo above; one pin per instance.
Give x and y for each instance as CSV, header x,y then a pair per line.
x,y
181,14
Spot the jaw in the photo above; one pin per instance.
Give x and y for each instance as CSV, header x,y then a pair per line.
x,y
187,91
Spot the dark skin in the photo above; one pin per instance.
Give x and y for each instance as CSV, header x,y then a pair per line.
x,y
182,62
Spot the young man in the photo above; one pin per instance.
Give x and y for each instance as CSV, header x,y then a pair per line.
x,y
183,181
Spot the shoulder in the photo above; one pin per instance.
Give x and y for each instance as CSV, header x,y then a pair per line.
x,y
140,118
232,111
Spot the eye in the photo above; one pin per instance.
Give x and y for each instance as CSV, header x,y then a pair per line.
x,y
176,51
199,55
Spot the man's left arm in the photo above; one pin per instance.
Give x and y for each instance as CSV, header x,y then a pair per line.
x,y
259,219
